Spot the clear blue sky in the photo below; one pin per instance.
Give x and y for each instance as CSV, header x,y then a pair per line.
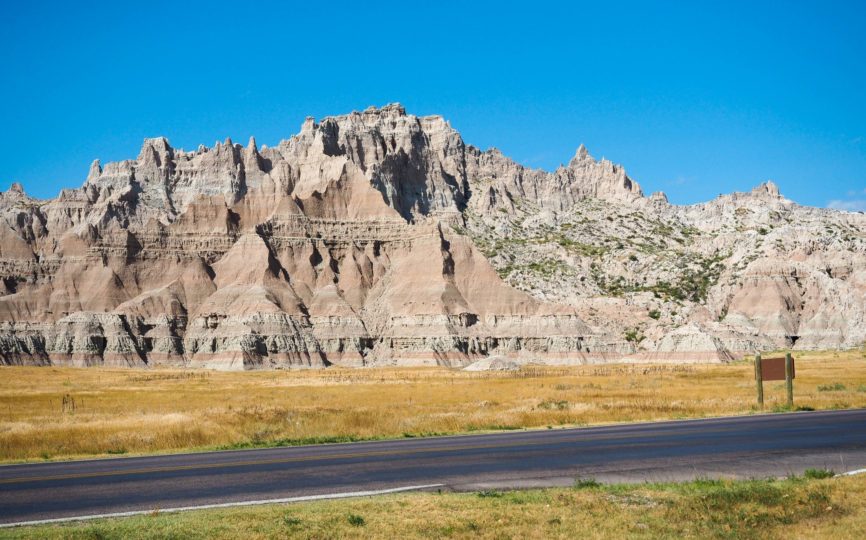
x,y
693,98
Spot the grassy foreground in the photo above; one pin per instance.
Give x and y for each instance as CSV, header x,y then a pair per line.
x,y
48,413
794,508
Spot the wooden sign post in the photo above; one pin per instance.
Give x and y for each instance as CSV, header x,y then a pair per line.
x,y
759,379
775,369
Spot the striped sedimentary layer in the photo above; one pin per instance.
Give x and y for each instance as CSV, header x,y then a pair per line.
x,y
359,241
291,292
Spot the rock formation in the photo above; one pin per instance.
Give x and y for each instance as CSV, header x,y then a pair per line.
x,y
381,238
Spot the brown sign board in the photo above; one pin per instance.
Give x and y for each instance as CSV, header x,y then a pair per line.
x,y
773,369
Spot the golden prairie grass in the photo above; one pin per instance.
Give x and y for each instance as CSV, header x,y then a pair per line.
x,y
48,413
783,509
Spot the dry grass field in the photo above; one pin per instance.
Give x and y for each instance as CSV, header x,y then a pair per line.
x,y
794,508
49,413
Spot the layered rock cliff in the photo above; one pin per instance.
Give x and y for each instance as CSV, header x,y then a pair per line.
x,y
380,237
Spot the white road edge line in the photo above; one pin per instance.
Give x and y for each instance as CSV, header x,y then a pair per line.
x,y
852,473
221,505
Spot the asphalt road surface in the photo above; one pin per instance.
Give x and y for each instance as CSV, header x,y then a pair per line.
x,y
750,446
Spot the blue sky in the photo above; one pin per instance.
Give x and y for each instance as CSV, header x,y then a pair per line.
x,y
693,98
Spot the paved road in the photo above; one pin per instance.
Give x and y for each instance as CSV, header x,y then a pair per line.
x,y
753,446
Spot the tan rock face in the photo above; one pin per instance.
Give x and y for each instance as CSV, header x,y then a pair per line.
x,y
381,238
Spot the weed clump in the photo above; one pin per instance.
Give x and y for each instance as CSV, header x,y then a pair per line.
x,y
355,520
818,474
551,404
586,483
291,521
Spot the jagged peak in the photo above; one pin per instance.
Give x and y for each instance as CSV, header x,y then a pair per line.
x,y
158,143
14,193
251,146
95,170
580,155
582,152
659,196
390,108
767,189
371,112
155,147
309,124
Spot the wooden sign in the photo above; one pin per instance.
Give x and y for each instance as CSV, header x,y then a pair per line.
x,y
773,369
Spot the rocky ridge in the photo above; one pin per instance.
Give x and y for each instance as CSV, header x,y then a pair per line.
x,y
381,238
